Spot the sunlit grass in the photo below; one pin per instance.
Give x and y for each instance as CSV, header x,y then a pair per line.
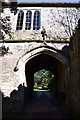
x,y
36,89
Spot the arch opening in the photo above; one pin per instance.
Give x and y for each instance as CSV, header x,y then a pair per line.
x,y
44,61
44,80
50,99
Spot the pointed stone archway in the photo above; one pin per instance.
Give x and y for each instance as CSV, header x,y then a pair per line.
x,y
51,59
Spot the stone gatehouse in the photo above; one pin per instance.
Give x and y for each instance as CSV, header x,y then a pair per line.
x,y
28,53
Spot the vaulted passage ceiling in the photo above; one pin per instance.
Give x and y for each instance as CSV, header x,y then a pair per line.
x,y
42,61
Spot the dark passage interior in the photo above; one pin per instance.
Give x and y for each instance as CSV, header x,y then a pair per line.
x,y
44,61
50,103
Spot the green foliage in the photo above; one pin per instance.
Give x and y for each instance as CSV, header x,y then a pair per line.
x,y
43,80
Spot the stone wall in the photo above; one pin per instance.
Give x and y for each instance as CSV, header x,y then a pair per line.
x,y
10,80
75,72
48,18
12,83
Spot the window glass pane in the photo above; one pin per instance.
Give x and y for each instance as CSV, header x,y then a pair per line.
x,y
28,20
20,20
36,21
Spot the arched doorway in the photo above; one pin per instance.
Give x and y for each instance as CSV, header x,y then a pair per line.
x,y
45,57
46,61
57,67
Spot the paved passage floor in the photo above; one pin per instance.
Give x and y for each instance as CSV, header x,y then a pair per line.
x,y
43,105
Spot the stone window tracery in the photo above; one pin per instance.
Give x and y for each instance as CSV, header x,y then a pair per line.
x,y
28,20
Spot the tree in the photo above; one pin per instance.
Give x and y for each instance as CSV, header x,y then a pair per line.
x,y
65,19
44,79
5,27
38,77
5,23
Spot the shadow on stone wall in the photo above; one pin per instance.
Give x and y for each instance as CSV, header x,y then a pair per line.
x,y
4,50
65,51
13,106
0,105
15,102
